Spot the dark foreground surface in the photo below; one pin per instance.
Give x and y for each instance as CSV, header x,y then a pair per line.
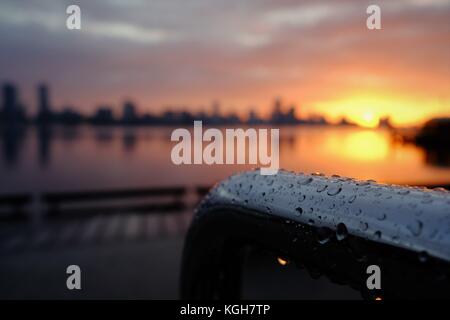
x,y
132,257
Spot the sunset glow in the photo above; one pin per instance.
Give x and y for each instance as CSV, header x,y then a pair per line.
x,y
367,109
318,57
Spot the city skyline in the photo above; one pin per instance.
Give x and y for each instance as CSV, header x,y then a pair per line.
x,y
13,110
319,56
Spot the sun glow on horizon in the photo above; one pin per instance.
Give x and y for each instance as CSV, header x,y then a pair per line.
x,y
369,119
366,109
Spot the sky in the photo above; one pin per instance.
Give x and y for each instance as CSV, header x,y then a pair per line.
x,y
316,55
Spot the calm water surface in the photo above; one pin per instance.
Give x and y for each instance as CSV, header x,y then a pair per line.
x,y
62,158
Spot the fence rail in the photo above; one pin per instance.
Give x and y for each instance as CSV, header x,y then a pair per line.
x,y
62,204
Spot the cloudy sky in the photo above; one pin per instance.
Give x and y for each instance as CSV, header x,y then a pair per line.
x,y
318,55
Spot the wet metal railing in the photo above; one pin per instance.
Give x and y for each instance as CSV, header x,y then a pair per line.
x,y
332,226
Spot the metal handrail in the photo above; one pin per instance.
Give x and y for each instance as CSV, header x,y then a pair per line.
x,y
331,225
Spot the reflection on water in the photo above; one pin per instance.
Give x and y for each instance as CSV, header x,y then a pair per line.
x,y
69,158
438,157
12,139
370,145
44,137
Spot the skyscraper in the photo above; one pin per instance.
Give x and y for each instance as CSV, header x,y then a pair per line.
x,y
44,108
10,100
11,110
129,112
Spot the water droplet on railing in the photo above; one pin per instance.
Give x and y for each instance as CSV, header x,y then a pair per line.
x,y
363,226
324,235
282,261
341,232
299,211
423,256
306,181
381,216
352,199
334,191
415,227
